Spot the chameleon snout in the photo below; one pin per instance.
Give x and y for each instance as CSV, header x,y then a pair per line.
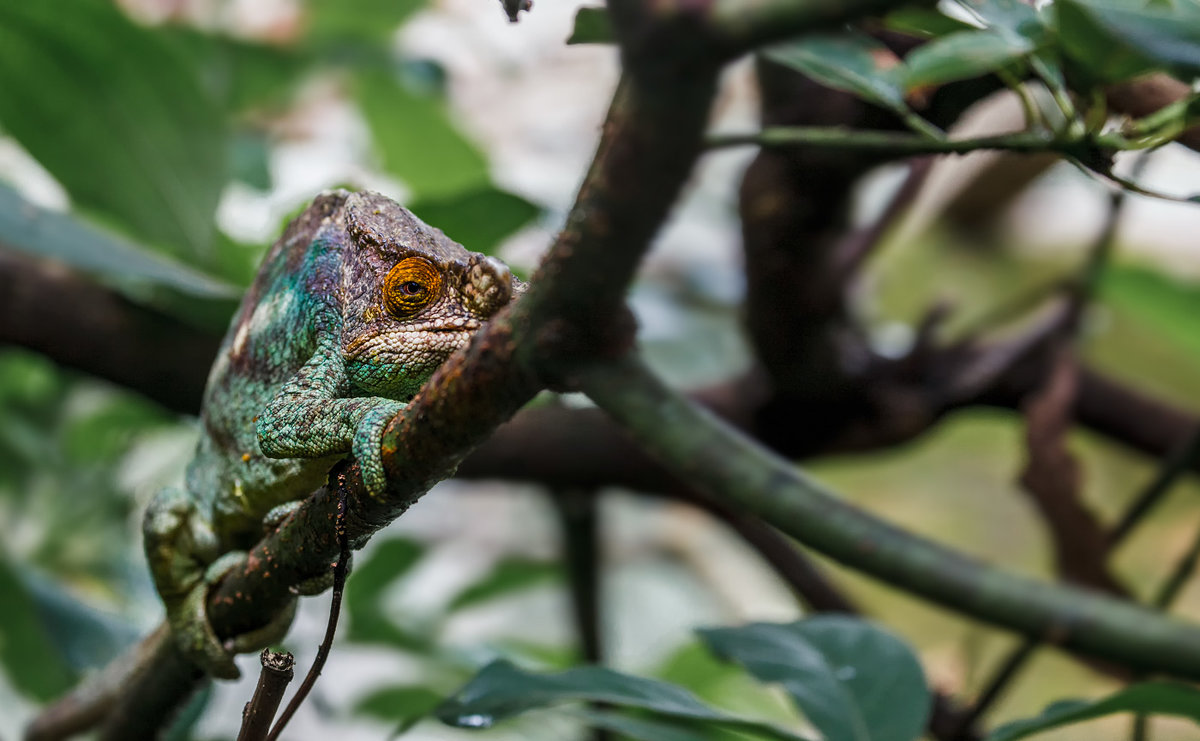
x,y
489,286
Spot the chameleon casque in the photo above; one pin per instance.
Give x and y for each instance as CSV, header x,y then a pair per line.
x,y
350,313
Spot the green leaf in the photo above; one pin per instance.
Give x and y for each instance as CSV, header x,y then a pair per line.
x,y
641,729
480,219
508,576
850,62
1164,305
405,705
924,22
1014,19
45,233
962,56
415,138
32,659
86,638
851,679
388,562
117,115
250,159
501,690
592,26
1116,40
1151,698
358,19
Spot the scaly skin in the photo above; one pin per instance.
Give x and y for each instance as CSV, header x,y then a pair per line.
x,y
352,310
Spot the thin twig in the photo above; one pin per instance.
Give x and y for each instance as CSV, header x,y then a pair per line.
x,y
335,609
994,690
1182,459
276,674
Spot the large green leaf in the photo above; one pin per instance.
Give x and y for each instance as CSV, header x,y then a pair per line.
x,y
501,690
962,56
924,22
1151,698
641,729
1116,40
117,114
32,660
851,62
89,249
358,19
1014,19
851,679
405,705
389,561
508,576
592,26
479,219
415,138
1163,305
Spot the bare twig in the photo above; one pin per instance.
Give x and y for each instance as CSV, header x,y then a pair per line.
x,y
335,610
273,679
1178,462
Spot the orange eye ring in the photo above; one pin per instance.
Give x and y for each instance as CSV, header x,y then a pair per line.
x,y
410,286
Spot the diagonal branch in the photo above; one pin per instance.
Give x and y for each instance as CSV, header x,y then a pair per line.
x,y
726,465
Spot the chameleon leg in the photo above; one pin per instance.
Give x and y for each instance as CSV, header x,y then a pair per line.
x,y
181,548
308,587
366,444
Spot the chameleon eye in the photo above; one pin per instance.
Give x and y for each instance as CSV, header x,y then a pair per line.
x,y
410,286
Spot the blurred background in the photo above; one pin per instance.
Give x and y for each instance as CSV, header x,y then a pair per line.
x,y
485,128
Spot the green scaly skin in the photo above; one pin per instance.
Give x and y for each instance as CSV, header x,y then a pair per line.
x,y
314,365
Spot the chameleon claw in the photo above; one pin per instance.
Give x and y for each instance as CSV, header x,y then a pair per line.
x,y
193,632
195,635
366,446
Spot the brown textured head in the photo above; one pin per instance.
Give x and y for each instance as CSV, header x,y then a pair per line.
x,y
412,296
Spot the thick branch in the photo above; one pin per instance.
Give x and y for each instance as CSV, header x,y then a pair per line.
x,y
53,310
728,466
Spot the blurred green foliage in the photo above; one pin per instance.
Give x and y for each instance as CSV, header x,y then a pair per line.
x,y
147,127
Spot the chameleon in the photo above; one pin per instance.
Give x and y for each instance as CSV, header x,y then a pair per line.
x,y
349,314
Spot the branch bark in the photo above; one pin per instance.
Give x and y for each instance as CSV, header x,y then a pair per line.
x,y
731,468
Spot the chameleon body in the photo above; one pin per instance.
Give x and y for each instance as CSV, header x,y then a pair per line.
x,y
352,310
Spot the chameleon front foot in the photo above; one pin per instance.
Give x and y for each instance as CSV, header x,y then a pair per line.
x,y
194,633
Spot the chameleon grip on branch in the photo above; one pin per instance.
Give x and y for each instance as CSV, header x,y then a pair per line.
x,y
352,310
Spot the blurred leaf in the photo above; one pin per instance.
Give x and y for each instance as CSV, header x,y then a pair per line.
x,y
85,637
406,705
501,690
509,575
242,75
961,56
183,726
44,233
592,26
479,219
388,562
1013,19
358,19
105,432
250,156
851,62
1116,40
416,139
32,660
924,22
1152,698
851,679
1163,305
117,115
641,729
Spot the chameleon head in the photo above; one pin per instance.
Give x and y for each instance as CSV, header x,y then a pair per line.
x,y
412,296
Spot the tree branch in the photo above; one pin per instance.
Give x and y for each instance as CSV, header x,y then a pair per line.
x,y
726,465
